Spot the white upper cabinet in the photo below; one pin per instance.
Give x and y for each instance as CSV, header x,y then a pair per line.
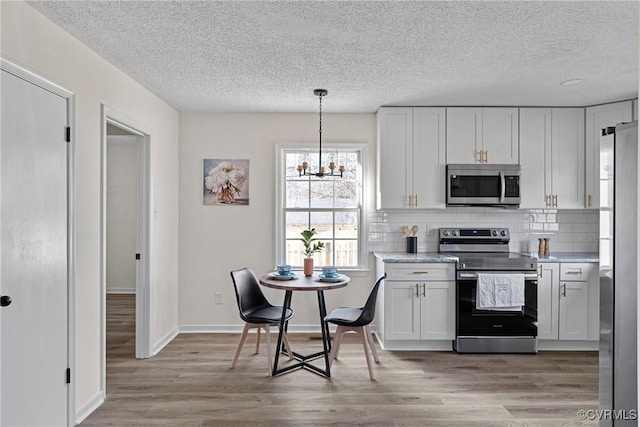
x,y
500,135
552,153
482,135
599,117
535,150
395,150
464,135
429,157
411,158
567,158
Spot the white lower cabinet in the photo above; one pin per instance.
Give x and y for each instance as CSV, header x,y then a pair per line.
x,y
568,302
572,323
548,300
419,310
417,305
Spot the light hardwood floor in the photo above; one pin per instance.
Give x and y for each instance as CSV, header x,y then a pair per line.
x,y
189,383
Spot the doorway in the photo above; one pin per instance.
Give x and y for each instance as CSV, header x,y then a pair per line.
x,y
125,225
121,241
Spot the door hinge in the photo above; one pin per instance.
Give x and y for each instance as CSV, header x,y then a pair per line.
x,y
68,134
68,375
137,256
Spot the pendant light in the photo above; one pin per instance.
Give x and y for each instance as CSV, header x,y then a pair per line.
x,y
303,169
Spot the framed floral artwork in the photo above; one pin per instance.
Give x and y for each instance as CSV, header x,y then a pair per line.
x,y
225,182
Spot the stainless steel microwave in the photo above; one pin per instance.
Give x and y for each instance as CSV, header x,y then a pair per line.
x,y
483,185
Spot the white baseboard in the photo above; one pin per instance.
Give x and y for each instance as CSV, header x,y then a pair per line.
x,y
121,291
90,406
236,329
164,341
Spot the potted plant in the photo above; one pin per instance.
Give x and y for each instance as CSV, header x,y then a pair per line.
x,y
311,246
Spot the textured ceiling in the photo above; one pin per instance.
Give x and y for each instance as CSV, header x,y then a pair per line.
x,y
262,56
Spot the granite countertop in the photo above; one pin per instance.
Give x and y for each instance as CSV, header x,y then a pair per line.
x,y
567,257
417,257
438,257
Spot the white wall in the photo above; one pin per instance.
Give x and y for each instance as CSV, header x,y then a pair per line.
x,y
31,40
122,211
217,239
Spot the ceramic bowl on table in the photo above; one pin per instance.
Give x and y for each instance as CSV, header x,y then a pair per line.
x,y
329,272
284,270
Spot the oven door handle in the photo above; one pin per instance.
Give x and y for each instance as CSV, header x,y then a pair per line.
x,y
469,275
502,185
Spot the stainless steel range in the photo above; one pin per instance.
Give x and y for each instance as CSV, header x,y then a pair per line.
x,y
484,257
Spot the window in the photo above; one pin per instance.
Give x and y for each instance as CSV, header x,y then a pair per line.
x,y
331,205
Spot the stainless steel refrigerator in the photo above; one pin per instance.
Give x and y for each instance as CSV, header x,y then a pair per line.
x,y
619,275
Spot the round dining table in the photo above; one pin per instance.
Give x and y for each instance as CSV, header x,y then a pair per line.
x,y
300,282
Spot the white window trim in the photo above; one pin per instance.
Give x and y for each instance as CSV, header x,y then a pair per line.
x,y
363,253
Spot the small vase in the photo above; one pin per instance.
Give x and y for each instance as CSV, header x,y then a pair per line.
x,y
308,266
226,196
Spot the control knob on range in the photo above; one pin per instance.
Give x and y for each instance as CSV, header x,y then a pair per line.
x,y
503,233
445,233
494,232
454,233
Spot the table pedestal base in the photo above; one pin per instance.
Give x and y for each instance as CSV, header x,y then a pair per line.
x,y
303,361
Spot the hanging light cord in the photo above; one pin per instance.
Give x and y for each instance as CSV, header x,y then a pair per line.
x,y
320,132
303,168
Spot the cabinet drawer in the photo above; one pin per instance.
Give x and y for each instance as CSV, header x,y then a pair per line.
x,y
575,271
420,271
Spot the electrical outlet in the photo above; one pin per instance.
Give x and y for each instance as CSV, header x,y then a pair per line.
x,y
219,299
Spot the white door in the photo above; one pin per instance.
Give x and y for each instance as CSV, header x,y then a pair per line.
x,y
33,234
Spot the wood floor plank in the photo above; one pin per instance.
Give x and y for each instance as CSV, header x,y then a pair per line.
x,y
190,383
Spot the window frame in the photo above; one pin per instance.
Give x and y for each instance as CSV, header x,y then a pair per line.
x,y
280,217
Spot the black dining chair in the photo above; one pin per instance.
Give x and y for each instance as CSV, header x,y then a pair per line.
x,y
257,312
357,320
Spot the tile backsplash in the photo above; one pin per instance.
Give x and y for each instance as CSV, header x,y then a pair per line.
x,y
567,230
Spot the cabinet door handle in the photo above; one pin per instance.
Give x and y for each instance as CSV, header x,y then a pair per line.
x,y
410,200
555,200
479,156
589,201
564,290
577,271
420,272
547,200
539,271
424,289
416,201
486,156
417,290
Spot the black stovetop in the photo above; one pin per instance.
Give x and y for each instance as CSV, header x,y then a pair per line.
x,y
507,261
